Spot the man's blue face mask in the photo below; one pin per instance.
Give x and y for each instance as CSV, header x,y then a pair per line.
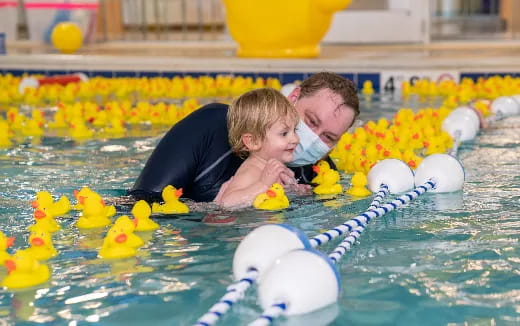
x,y
310,149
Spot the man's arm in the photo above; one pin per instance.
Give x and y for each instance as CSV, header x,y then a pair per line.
x,y
178,156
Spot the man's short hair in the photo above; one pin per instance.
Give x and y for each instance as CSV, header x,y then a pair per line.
x,y
336,83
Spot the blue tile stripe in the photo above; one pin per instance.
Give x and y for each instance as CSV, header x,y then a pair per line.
x,y
285,77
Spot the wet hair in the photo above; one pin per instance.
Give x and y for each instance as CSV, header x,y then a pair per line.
x,y
255,112
336,83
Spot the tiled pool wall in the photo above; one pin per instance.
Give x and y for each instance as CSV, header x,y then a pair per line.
x,y
385,80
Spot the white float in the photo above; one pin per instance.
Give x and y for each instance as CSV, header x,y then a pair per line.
x,y
260,248
287,89
517,99
305,280
394,173
464,121
445,170
505,105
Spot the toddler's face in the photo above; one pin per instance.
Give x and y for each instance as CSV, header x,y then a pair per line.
x,y
280,141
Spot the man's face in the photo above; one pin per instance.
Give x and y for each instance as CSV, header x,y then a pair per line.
x,y
325,113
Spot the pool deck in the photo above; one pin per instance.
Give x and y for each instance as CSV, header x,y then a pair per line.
x,y
215,56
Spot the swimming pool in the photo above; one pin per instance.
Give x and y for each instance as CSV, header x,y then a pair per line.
x,y
443,259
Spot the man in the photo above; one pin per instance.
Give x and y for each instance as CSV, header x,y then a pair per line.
x,y
195,154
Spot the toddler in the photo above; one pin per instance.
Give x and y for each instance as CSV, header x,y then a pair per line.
x,y
262,127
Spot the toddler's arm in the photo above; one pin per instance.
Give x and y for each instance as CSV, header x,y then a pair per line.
x,y
249,183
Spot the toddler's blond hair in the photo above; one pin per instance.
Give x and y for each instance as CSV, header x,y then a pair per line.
x,y
254,112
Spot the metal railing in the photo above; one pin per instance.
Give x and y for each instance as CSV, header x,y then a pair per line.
x,y
474,19
161,19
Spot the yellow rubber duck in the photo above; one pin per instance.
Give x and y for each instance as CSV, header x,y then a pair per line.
x,y
5,242
32,128
368,88
329,184
25,271
86,192
115,245
79,131
80,196
172,204
410,158
141,212
5,136
320,168
359,182
44,220
58,208
41,247
128,226
93,215
273,199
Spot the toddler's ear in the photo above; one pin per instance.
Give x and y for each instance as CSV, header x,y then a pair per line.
x,y
250,142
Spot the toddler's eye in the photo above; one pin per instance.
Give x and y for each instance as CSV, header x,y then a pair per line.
x,y
284,133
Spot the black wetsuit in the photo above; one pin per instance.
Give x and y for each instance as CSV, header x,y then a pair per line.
x,y
195,155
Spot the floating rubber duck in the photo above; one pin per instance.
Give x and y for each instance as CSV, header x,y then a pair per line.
x,y
32,128
358,189
93,215
273,199
410,158
86,192
115,245
172,204
141,212
320,168
59,121
5,242
128,226
44,220
58,208
5,136
329,184
41,247
80,196
79,131
367,89
25,271
116,128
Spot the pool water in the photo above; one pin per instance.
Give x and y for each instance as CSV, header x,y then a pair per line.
x,y
444,259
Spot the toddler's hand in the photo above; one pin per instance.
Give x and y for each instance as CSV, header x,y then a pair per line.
x,y
272,172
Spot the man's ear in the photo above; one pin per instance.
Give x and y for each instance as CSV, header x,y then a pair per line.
x,y
293,96
250,142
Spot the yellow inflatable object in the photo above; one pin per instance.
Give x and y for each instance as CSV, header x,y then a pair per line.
x,y
94,215
44,198
141,212
172,204
278,29
41,247
329,184
359,181
25,271
127,225
67,37
273,199
115,245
